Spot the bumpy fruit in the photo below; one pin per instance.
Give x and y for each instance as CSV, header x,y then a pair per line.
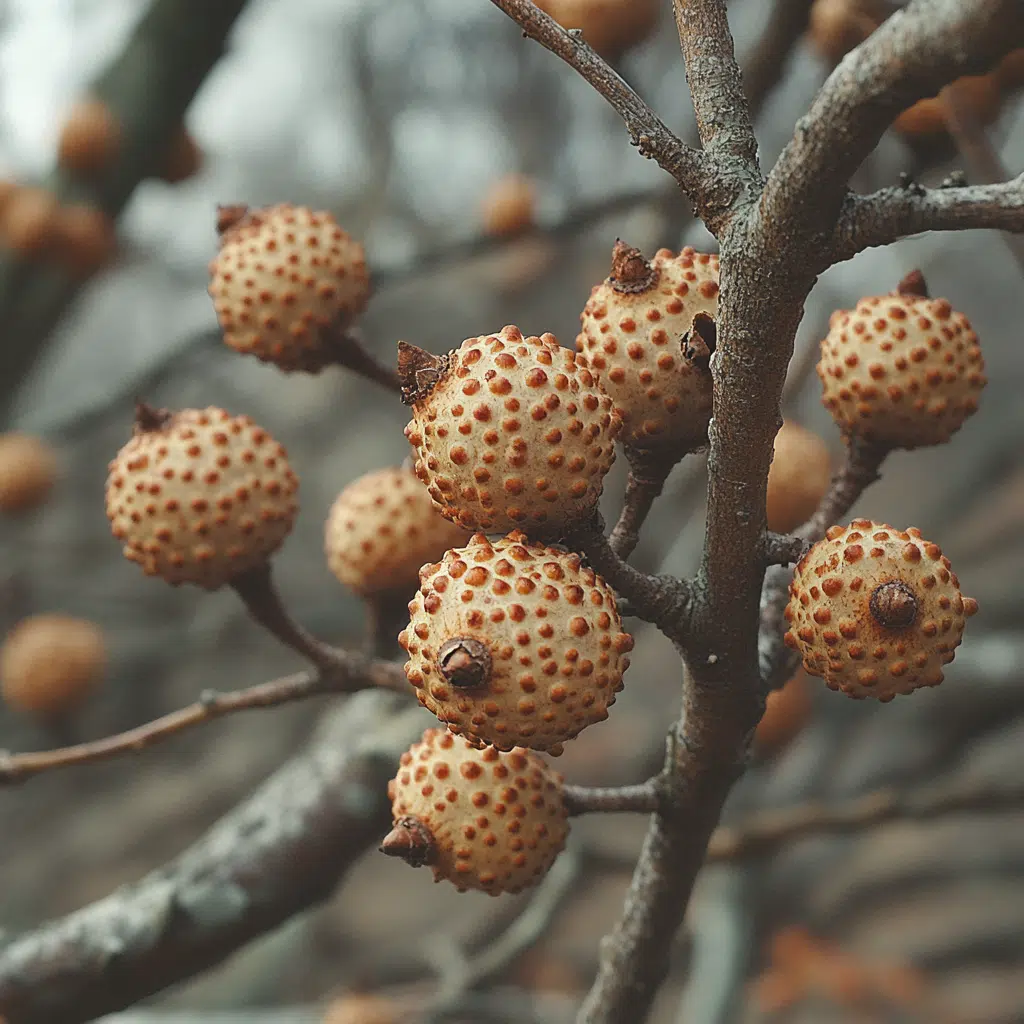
x,y
515,644
876,611
508,431
902,370
481,819
638,334
49,664
200,496
799,477
611,27
286,282
28,468
382,529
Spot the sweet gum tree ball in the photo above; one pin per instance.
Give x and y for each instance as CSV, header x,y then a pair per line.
x,y
508,431
799,477
200,496
28,469
481,819
382,529
515,644
875,611
50,664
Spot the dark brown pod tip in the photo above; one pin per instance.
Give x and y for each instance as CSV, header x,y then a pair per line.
x,y
630,273
700,340
893,605
228,216
913,284
464,662
419,372
410,840
149,418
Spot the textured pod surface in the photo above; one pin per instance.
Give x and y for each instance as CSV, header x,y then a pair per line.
x,y
542,645
635,342
497,820
838,617
282,277
902,370
49,664
201,497
382,529
798,478
513,433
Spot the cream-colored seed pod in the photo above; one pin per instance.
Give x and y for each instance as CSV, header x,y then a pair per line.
x,y
286,282
28,469
901,370
50,664
638,334
382,529
200,496
508,431
799,477
481,819
876,611
515,644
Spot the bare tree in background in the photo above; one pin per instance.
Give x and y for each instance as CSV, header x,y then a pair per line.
x,y
778,230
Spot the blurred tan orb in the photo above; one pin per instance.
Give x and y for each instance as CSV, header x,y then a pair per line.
x,y
837,26
28,469
362,1008
84,239
611,27
979,95
798,479
786,713
28,220
49,664
509,205
90,137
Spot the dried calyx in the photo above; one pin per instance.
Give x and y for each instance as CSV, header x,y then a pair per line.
x,y
893,605
630,273
419,372
913,284
229,216
148,418
410,840
464,662
700,340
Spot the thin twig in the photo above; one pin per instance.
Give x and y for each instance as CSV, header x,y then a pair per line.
x,y
642,798
693,171
648,472
348,674
783,548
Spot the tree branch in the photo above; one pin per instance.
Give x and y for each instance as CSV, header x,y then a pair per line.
x,y
695,173
783,548
648,472
281,851
642,798
911,56
349,673
716,85
893,213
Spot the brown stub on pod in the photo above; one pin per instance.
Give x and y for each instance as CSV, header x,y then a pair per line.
x,y
630,273
464,662
913,284
149,418
893,605
229,215
410,840
419,372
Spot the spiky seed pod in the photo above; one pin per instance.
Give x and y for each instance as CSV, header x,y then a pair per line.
x,y
363,1008
508,431
509,205
611,27
482,819
876,611
28,469
90,137
200,496
903,369
515,644
786,713
799,477
382,529
637,334
49,664
286,282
